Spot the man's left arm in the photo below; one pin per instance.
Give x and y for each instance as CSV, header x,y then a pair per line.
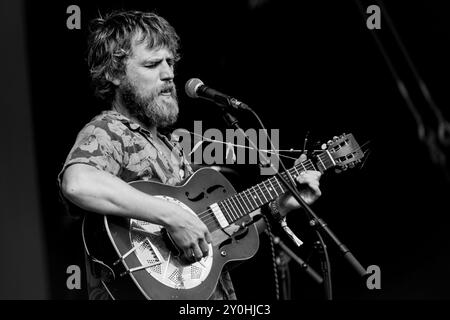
x,y
309,191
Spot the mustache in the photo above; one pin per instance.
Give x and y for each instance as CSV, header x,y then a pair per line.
x,y
170,87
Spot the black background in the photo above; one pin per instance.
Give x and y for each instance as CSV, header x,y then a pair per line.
x,y
304,67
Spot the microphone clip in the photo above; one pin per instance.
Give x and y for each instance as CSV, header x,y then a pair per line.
x,y
236,104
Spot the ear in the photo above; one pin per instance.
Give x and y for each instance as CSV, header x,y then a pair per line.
x,y
114,80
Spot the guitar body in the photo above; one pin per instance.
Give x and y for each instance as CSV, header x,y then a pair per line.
x,y
126,247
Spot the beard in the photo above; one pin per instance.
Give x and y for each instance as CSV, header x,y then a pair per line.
x,y
150,110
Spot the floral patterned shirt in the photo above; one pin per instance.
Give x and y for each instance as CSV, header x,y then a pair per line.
x,y
113,143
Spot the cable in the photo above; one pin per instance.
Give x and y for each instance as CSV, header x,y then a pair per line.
x,y
274,262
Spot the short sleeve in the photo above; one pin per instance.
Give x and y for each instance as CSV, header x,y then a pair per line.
x,y
96,145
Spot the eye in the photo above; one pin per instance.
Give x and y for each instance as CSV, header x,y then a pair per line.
x,y
151,66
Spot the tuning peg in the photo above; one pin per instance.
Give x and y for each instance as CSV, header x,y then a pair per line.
x,y
335,138
329,142
323,146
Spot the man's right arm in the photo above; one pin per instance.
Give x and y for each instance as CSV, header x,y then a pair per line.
x,y
98,191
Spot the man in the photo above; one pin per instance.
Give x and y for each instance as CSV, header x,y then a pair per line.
x,y
131,59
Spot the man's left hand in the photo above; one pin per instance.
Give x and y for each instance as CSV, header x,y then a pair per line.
x,y
309,190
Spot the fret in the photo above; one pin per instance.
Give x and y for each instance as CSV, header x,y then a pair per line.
x,y
281,187
233,211
267,190
248,210
224,211
252,197
333,163
304,168
273,188
227,209
249,202
257,196
321,162
237,206
326,162
262,193
295,168
287,175
234,206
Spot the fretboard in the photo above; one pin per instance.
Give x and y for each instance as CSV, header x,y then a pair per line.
x,y
247,201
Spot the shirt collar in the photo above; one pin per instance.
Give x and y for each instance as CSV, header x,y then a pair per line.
x,y
127,121
136,126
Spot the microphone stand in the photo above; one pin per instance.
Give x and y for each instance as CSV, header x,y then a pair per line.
x,y
315,221
304,266
324,264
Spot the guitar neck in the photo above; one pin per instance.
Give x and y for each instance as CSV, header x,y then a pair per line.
x,y
251,199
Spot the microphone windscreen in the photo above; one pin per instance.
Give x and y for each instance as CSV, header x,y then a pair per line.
x,y
192,86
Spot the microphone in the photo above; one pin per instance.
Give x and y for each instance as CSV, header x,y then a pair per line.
x,y
196,89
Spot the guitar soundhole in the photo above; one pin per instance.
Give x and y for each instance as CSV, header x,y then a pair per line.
x,y
226,242
198,197
213,188
238,235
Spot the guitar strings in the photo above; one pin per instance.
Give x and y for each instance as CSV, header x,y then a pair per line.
x,y
248,192
273,182
246,205
257,192
275,151
272,151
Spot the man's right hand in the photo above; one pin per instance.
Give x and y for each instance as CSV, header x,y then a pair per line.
x,y
189,233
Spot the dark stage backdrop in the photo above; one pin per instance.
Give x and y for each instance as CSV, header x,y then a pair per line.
x,y
304,67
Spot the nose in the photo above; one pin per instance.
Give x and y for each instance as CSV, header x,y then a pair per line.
x,y
166,72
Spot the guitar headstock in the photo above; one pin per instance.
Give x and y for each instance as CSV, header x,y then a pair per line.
x,y
344,151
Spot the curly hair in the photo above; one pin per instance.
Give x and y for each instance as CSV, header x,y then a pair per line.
x,y
110,44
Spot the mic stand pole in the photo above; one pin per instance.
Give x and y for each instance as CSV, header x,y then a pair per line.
x,y
321,225
315,220
304,266
325,265
233,122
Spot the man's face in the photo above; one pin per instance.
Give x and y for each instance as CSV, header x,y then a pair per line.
x,y
147,89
